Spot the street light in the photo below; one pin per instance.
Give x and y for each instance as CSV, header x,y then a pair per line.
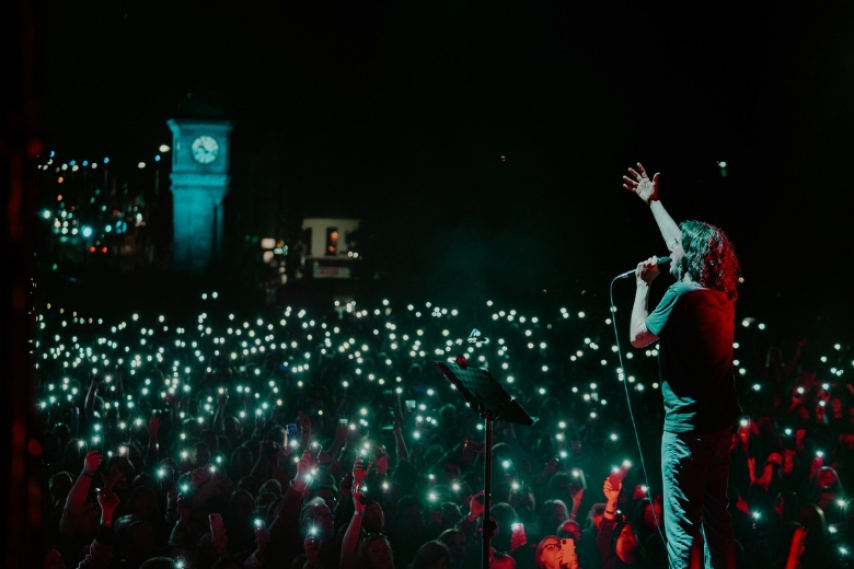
x,y
164,148
106,161
157,176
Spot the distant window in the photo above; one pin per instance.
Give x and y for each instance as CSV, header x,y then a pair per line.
x,y
331,240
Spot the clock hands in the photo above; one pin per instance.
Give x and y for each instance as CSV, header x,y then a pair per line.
x,y
205,149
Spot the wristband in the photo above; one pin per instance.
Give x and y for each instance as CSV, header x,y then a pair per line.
x,y
358,513
612,513
87,475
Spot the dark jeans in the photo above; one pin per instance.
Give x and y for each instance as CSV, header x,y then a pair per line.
x,y
695,469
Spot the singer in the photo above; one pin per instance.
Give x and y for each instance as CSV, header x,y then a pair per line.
x,y
694,325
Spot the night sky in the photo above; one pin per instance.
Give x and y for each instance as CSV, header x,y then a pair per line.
x,y
488,139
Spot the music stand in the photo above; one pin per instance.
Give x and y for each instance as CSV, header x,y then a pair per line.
x,y
492,402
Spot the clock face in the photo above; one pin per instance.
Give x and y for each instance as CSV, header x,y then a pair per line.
x,y
205,149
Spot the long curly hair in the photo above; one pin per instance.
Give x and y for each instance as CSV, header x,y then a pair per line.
x,y
710,257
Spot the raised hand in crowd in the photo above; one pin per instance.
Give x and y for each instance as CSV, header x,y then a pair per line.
x,y
576,503
91,463
262,538
76,499
612,494
108,501
101,550
800,436
114,477
184,507
351,536
799,397
260,424
476,506
219,415
304,423
360,470
94,384
816,464
306,464
304,477
154,424
381,460
400,443
341,432
549,468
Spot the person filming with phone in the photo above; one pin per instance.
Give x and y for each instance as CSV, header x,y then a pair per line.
x,y
694,326
554,553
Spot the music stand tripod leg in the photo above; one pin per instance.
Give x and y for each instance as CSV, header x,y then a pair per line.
x,y
487,487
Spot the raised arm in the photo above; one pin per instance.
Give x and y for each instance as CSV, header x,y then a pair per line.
x,y
90,395
286,522
101,550
609,518
611,495
341,432
400,444
219,416
790,367
77,496
351,536
152,456
305,429
647,190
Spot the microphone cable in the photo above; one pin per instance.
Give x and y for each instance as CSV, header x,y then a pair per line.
x,y
631,413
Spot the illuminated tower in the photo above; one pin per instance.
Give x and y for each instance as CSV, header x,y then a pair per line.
x,y
201,172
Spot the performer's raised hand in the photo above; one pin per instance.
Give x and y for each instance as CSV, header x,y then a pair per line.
x,y
645,188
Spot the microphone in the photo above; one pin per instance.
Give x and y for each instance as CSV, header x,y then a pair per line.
x,y
627,274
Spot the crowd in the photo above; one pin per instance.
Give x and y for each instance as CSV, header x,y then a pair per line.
x,y
331,441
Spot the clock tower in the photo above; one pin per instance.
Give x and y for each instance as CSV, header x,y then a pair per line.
x,y
201,172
